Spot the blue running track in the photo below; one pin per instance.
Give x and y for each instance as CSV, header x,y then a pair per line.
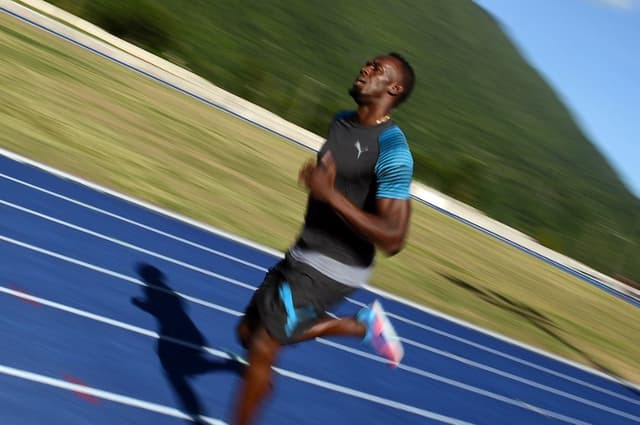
x,y
86,340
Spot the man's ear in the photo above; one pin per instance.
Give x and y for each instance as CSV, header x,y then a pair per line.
x,y
396,89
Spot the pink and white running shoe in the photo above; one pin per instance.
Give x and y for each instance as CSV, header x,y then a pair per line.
x,y
380,333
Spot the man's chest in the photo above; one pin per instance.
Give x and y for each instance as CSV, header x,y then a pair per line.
x,y
355,152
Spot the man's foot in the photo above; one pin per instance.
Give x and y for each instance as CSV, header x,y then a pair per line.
x,y
380,333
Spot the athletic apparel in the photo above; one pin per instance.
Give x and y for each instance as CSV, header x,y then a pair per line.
x,y
344,273
330,259
291,298
372,162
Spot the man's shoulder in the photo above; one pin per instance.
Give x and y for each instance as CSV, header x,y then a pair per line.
x,y
393,136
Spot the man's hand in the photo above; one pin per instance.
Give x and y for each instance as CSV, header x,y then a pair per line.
x,y
319,179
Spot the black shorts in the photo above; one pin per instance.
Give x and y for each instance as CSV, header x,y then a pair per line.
x,y
291,298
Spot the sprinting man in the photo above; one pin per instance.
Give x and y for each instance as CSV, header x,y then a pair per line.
x,y
358,200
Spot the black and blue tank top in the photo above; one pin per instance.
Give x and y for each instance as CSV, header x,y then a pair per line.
x,y
372,162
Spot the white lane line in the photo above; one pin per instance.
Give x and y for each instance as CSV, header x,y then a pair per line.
x,y
290,374
105,395
251,287
128,245
480,391
375,399
115,274
525,381
337,345
432,312
139,203
503,355
136,223
304,378
526,363
342,347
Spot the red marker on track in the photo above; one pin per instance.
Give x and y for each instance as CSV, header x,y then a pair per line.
x,y
82,395
27,298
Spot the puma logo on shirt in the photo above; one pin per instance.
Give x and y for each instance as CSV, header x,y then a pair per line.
x,y
359,149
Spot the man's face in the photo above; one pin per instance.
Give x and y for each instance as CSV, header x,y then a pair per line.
x,y
376,79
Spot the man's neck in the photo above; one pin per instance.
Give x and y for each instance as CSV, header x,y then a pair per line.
x,y
367,115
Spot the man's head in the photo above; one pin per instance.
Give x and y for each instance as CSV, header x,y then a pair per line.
x,y
388,78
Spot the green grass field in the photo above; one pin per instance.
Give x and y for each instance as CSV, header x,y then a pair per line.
x,y
75,111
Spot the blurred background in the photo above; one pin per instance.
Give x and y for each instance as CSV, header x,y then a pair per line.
x,y
484,126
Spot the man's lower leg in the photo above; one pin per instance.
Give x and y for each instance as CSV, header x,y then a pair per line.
x,y
257,380
328,326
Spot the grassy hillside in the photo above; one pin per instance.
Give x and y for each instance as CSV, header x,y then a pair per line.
x,y
484,126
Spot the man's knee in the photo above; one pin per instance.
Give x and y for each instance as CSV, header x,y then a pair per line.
x,y
263,346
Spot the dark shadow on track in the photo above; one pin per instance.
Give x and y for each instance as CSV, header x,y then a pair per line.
x,y
180,346
536,319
